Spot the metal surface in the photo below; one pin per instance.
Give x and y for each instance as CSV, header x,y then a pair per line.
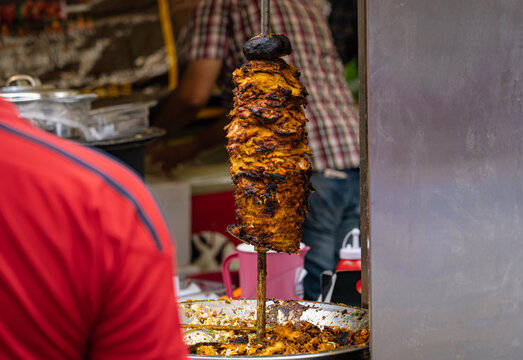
x,y
261,287
23,82
130,141
61,112
265,16
129,149
364,150
16,79
219,327
34,90
58,96
445,131
282,311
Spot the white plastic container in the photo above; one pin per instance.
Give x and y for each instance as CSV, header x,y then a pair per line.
x,y
118,121
350,255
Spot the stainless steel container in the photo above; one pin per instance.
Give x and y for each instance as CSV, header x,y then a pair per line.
x,y
282,311
62,112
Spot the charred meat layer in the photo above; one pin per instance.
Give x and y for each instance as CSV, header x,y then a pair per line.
x,y
269,154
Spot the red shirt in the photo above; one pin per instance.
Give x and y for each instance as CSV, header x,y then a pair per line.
x,y
86,261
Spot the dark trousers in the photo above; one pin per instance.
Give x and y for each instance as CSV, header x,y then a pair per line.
x,y
335,210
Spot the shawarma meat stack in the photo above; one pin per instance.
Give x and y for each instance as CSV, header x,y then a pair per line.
x,y
267,146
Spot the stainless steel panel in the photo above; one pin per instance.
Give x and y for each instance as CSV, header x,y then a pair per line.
x,y
445,142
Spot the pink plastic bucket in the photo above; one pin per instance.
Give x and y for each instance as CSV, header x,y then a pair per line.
x,y
283,272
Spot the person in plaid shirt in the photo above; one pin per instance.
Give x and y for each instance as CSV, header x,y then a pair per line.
x,y
211,49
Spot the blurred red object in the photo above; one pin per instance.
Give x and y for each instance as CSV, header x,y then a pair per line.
x,y
213,212
8,13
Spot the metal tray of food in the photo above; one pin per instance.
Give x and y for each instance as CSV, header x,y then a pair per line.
x,y
62,112
281,312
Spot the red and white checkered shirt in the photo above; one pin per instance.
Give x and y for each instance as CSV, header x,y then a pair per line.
x,y
221,27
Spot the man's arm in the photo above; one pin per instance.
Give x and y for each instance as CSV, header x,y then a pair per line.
x,y
191,95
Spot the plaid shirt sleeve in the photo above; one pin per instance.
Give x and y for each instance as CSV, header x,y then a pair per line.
x,y
206,34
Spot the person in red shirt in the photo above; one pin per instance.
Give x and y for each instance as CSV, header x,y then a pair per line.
x,y
86,261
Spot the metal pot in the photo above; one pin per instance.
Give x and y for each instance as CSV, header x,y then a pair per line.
x,y
282,311
62,112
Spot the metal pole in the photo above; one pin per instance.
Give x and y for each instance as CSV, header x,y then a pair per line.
x,y
364,150
261,315
265,16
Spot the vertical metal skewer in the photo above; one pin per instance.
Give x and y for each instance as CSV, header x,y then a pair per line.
x,y
261,315
265,17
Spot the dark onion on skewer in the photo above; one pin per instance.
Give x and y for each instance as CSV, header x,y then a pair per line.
x,y
267,47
